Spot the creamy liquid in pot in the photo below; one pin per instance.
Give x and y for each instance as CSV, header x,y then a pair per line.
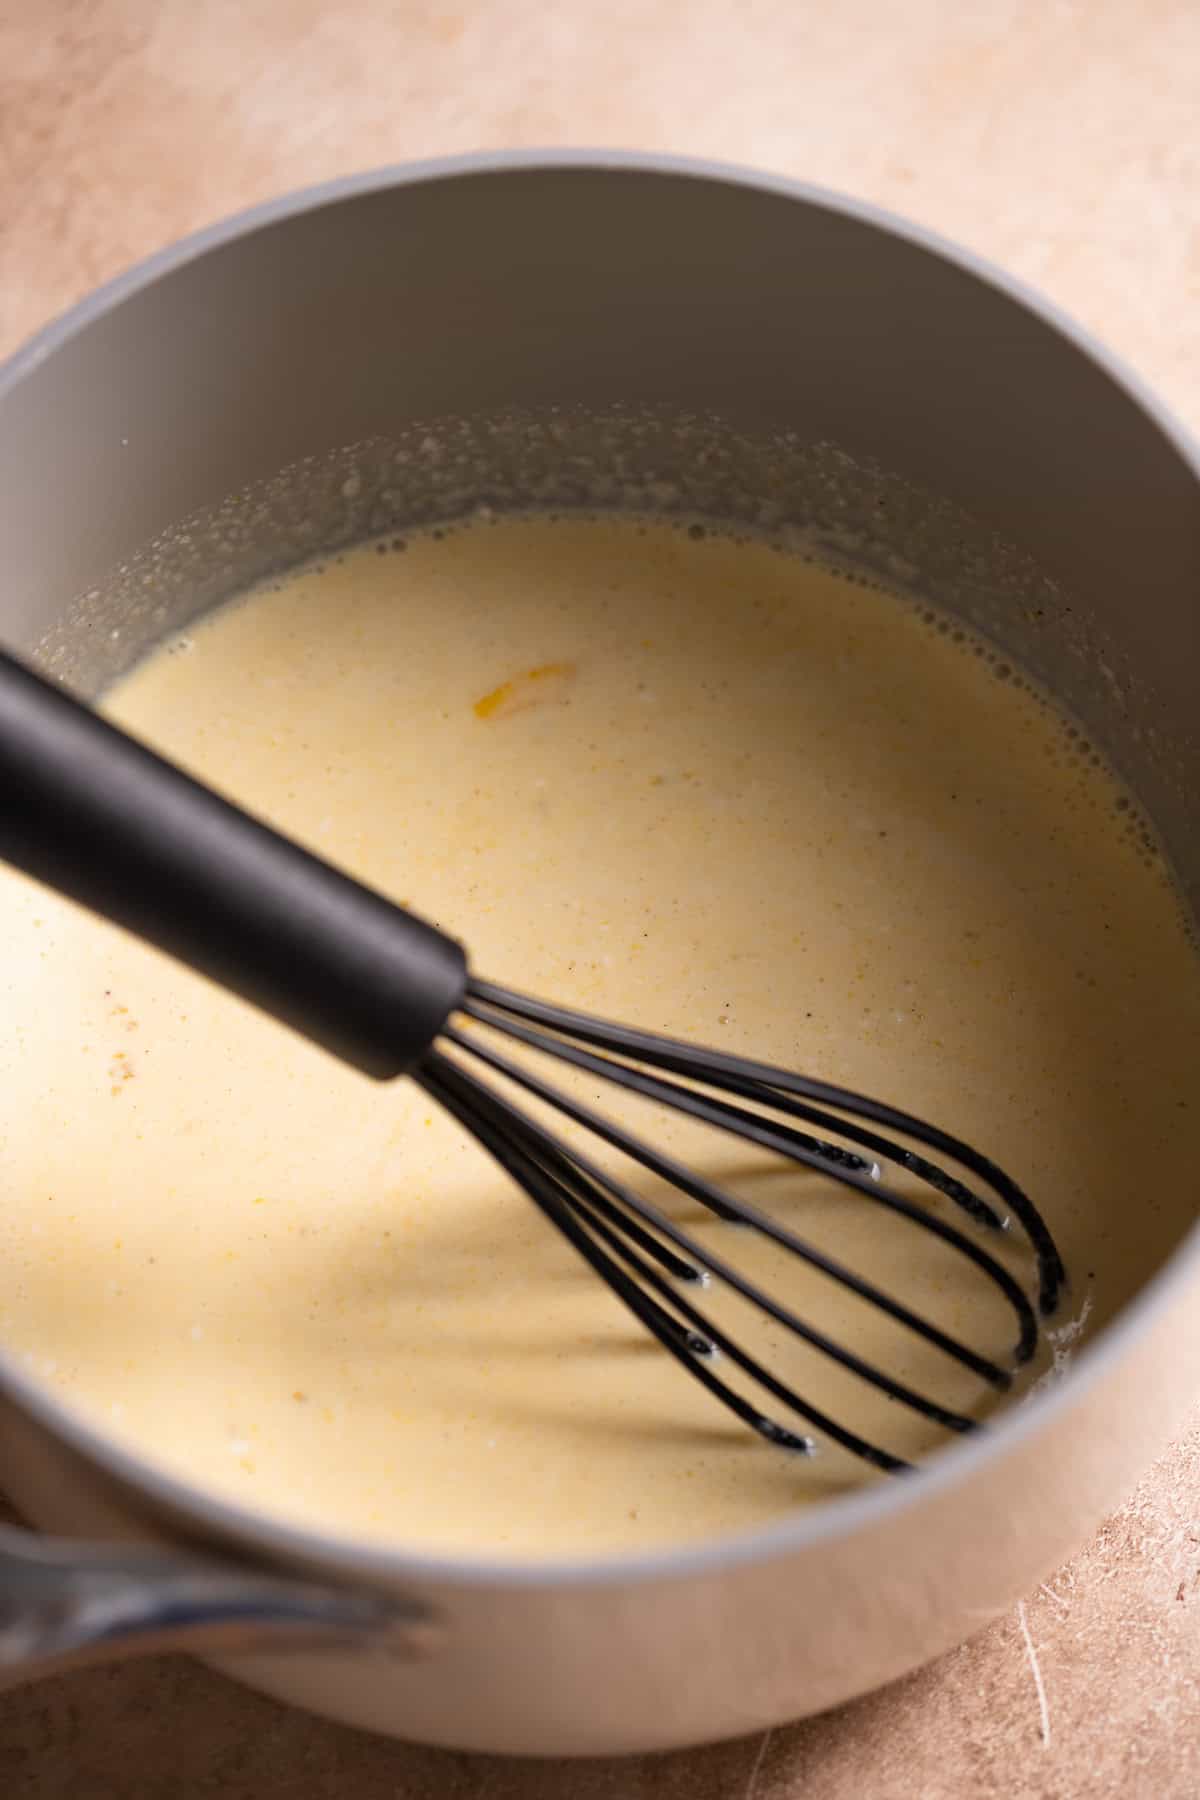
x,y
697,784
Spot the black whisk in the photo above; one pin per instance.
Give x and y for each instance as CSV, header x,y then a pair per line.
x,y
98,816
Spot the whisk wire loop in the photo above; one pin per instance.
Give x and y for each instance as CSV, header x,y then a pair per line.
x,y
790,1090
652,1263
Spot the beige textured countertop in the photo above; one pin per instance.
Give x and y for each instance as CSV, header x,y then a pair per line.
x,y
1061,137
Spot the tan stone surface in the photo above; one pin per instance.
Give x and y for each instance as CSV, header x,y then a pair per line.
x,y
1060,137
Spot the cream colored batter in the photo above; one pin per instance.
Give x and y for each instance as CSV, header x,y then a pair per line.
x,y
698,784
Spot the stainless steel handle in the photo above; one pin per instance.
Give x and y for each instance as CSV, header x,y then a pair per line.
x,y
63,1602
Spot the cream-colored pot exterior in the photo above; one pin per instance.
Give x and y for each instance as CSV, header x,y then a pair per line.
x,y
585,281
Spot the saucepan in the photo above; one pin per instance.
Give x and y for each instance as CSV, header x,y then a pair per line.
x,y
609,329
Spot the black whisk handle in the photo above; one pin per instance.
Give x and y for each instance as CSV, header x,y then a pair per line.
x,y
90,811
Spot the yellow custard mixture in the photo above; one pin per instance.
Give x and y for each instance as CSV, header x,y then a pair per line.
x,y
698,784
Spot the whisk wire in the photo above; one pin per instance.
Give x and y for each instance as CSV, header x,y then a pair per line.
x,y
581,1180
557,1176
501,1129
787,1087
469,1102
715,1264
759,1131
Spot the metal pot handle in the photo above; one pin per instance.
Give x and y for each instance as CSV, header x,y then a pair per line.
x,y
63,1603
